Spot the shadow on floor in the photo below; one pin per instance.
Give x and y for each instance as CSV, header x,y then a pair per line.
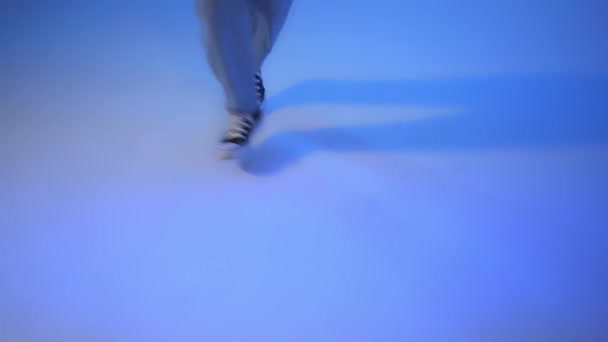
x,y
505,113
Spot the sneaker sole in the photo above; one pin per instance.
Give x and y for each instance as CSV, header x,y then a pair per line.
x,y
232,153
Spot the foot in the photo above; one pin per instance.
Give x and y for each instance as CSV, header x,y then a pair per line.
x,y
238,134
260,91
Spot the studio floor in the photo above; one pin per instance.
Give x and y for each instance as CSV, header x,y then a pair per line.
x,y
454,199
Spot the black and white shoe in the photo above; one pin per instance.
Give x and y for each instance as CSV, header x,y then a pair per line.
x,y
260,91
238,134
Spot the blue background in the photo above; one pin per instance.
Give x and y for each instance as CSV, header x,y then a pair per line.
x,y
429,171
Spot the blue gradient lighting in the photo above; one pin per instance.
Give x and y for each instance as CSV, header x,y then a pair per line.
x,y
427,171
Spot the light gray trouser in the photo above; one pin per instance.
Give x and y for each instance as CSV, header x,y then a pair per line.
x,y
238,35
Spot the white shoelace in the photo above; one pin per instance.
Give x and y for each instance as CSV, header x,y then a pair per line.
x,y
259,89
240,126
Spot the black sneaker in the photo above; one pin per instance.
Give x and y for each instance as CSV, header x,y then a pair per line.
x,y
260,91
238,134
